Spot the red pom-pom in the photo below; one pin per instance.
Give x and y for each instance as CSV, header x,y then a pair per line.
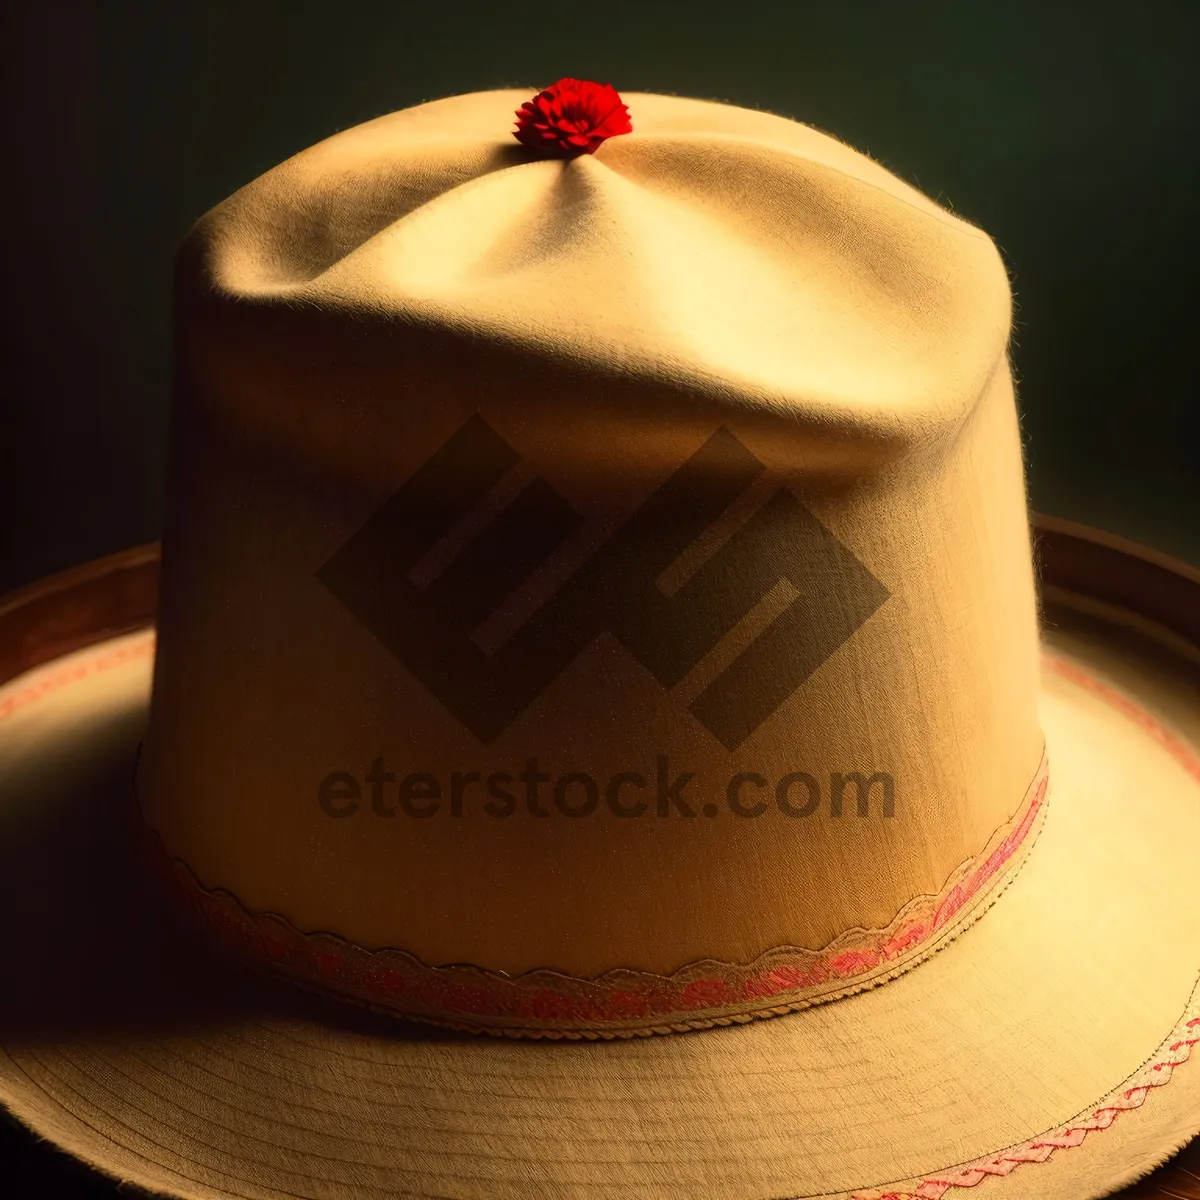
x,y
572,117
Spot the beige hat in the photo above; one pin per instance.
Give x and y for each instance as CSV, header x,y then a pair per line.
x,y
598,612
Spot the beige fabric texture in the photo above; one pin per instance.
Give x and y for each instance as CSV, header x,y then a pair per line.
x,y
191,1078
717,278
344,316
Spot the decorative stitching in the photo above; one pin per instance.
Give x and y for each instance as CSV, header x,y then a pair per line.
x,y
1133,1092
1182,753
1130,1095
143,648
618,1003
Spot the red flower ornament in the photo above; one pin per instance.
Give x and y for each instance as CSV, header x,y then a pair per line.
x,y
572,117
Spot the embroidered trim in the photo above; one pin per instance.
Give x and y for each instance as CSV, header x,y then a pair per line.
x,y
1177,749
1130,1095
1174,1051
619,1003
63,677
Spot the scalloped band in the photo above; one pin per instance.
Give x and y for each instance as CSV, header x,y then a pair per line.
x,y
622,1002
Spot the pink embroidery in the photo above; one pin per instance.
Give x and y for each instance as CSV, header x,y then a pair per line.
x,y
1169,742
627,1005
781,979
707,993
624,1004
1039,1149
143,648
1138,1088
854,962
621,1002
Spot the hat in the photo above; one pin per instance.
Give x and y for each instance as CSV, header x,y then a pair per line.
x,y
598,659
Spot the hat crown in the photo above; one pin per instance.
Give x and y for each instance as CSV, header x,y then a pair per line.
x,y
595,566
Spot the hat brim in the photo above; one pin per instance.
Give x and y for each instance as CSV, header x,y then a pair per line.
x,y
1043,1053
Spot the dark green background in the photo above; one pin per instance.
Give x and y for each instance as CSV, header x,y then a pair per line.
x,y
1068,131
